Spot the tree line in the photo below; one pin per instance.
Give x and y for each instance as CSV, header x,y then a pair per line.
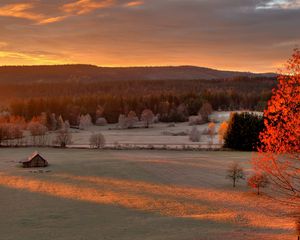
x,y
172,101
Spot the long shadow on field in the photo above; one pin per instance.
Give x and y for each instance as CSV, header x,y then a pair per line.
x,y
167,200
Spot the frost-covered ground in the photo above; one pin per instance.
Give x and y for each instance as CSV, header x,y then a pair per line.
x,y
133,195
159,135
156,134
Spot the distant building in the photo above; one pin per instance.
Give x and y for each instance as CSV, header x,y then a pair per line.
x,y
35,160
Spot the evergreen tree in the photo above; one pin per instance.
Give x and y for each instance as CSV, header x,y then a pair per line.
x,y
243,131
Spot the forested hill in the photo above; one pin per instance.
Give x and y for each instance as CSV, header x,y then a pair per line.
x,y
90,73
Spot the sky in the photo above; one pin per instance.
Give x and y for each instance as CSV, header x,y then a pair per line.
x,y
245,35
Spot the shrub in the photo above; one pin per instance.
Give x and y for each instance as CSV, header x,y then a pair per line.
x,y
211,132
122,121
205,111
38,133
222,131
63,138
101,121
195,135
147,117
132,119
97,140
258,181
85,122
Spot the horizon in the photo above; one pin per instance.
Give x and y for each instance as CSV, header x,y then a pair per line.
x,y
253,36
139,66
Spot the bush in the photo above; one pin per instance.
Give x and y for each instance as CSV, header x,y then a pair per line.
x,y
258,181
101,122
211,131
205,111
243,131
222,131
63,138
195,135
147,117
97,141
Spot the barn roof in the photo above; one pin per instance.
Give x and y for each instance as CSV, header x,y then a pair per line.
x,y
32,156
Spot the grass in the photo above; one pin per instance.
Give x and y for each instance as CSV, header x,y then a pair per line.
x,y
93,194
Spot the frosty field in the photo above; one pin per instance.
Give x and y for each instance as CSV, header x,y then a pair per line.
x,y
91,195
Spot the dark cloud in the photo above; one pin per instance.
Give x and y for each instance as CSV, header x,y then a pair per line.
x,y
247,35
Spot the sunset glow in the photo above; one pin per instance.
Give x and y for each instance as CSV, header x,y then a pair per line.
x,y
150,119
250,36
165,200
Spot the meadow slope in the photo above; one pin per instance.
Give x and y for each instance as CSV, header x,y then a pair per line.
x,y
90,194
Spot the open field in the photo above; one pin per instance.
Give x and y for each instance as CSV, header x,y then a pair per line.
x,y
154,135
131,195
157,134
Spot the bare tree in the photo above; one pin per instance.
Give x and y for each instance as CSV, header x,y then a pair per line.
x,y
222,131
85,122
97,140
53,122
60,122
3,132
147,117
67,124
132,119
122,121
182,112
11,132
205,111
195,135
38,133
235,173
14,134
63,137
211,132
258,181
99,112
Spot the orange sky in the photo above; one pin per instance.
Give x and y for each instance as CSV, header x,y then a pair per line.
x,y
248,35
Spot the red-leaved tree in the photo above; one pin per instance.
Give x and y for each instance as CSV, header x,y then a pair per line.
x,y
279,153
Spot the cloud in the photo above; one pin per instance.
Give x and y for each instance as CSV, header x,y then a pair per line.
x,y
3,44
85,6
279,4
134,3
52,19
38,58
80,7
231,34
24,10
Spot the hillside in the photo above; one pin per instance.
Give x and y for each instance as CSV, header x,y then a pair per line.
x,y
87,73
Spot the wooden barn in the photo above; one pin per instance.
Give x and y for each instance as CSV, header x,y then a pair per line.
x,y
35,160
